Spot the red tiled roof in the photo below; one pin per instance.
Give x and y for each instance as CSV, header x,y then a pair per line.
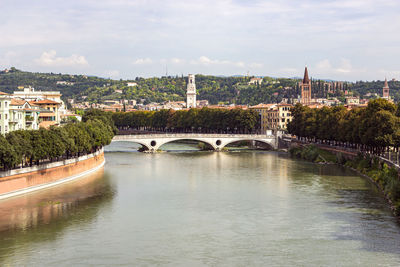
x,y
47,114
45,101
17,102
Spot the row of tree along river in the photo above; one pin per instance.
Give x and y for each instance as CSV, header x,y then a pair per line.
x,y
28,147
205,120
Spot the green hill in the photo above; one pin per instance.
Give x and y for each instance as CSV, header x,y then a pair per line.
x,y
215,89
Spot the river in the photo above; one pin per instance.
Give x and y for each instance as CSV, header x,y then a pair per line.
x,y
185,208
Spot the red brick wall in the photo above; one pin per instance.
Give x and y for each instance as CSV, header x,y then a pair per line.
x,y
21,181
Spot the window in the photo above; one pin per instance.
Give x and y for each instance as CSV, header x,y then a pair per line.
x,y
6,128
0,104
5,104
6,116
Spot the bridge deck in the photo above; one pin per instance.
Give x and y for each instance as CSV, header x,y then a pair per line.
x,y
191,135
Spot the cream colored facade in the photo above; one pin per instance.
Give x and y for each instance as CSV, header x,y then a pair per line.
x,y
279,117
30,94
17,115
262,110
5,101
191,92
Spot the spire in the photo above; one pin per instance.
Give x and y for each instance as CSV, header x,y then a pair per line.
x,y
386,84
306,79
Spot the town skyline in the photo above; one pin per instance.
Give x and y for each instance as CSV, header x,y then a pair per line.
x,y
338,40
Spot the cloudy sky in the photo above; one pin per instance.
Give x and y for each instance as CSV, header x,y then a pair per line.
x,y
336,39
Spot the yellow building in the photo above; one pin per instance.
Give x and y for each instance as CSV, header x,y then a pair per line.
x,y
49,112
279,116
262,110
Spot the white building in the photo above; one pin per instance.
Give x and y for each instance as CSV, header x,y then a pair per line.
x,y
29,94
17,114
191,92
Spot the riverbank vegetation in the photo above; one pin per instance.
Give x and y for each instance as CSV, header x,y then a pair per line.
x,y
374,128
28,147
205,120
383,175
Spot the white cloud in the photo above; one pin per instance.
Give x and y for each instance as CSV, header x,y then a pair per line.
x,y
325,67
49,59
256,65
177,60
143,61
203,60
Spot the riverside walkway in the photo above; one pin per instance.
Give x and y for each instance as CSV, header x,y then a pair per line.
x,y
217,141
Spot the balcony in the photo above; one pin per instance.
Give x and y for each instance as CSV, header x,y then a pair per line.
x,y
13,120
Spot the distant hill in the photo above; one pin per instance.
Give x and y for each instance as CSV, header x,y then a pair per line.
x,y
215,89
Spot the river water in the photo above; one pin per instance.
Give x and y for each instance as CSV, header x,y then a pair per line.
x,y
187,208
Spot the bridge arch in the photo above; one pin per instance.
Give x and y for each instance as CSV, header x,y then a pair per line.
x,y
135,142
189,139
267,142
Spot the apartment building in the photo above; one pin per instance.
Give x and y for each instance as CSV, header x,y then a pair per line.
x,y
17,114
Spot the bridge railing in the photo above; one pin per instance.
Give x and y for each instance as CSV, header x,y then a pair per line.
x,y
191,135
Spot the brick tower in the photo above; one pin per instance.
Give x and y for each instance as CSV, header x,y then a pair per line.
x,y
305,86
385,91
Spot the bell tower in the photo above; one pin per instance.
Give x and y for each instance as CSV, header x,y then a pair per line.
x,y
191,92
385,91
305,86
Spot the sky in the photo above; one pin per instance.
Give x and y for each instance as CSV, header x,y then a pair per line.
x,y
337,39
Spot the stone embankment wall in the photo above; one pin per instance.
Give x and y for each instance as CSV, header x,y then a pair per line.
x,y
334,150
28,179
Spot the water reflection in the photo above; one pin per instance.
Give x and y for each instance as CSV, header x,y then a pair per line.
x,y
25,219
204,208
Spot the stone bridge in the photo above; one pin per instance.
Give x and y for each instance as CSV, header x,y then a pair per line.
x,y
217,141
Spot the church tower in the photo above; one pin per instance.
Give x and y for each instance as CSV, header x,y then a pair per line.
x,y
191,92
305,86
385,91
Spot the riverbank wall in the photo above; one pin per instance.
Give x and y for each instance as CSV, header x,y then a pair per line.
x,y
24,180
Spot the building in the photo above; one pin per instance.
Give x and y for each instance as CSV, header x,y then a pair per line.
x,y
131,84
17,114
352,100
65,83
23,116
202,103
29,94
191,92
262,110
256,81
385,91
305,86
49,112
279,116
5,100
